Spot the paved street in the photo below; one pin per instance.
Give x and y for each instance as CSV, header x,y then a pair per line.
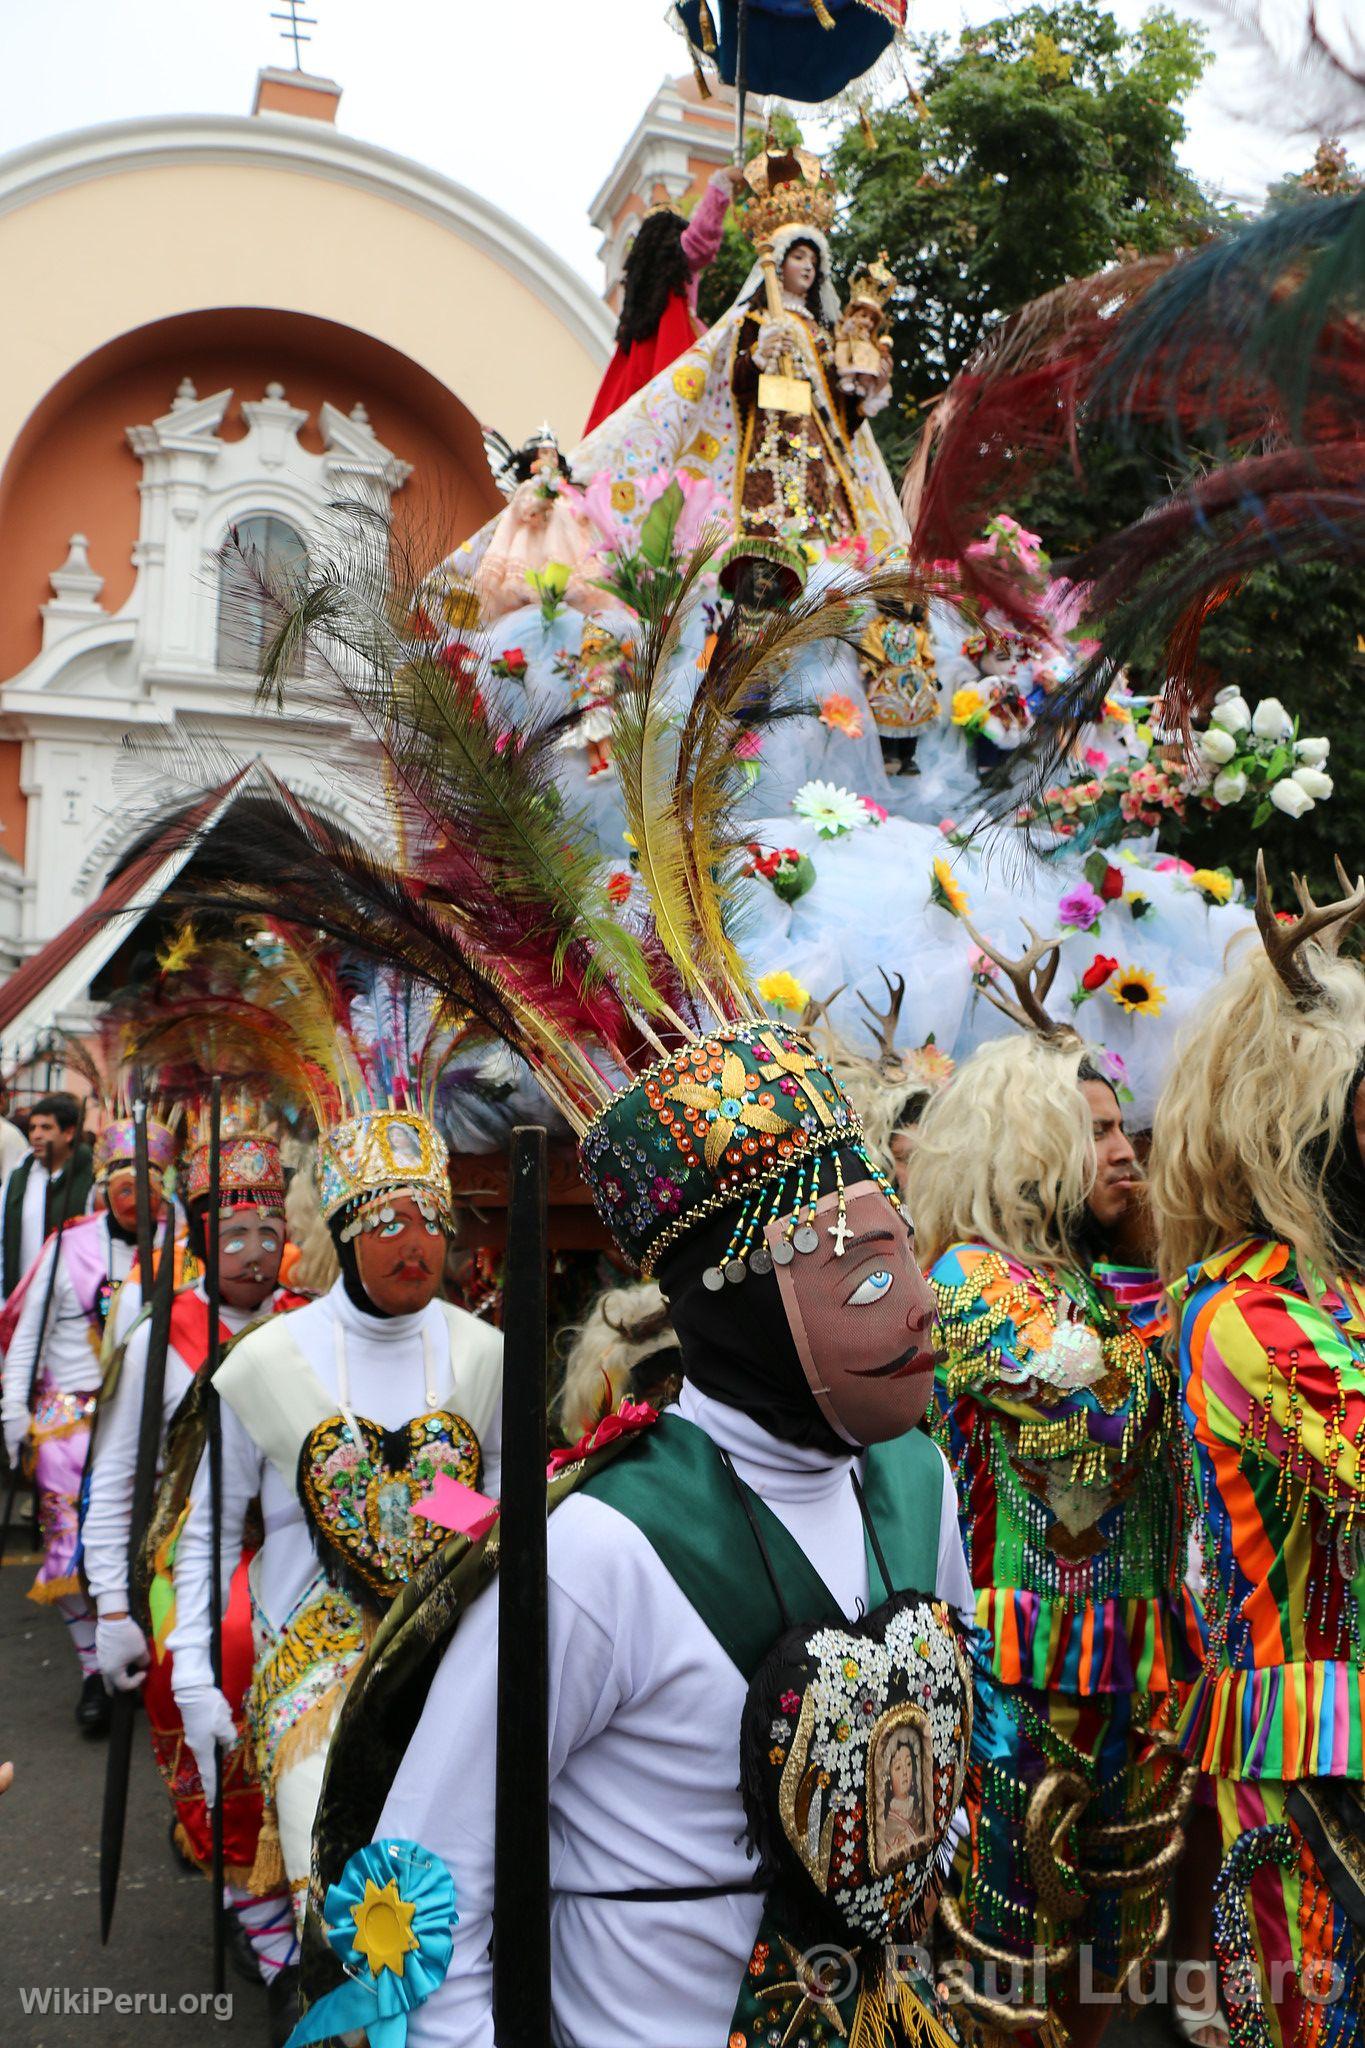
x,y
49,1874
49,1868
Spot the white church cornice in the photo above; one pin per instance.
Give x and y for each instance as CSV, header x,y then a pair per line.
x,y
309,149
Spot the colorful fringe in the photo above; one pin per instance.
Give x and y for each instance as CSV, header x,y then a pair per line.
x,y
1286,1721
1288,1957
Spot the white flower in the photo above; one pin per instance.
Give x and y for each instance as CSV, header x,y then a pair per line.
x,y
1313,752
1216,745
1289,798
1313,783
1232,713
1229,787
1228,692
1270,720
833,811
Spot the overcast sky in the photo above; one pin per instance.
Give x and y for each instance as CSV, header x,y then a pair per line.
x,y
526,101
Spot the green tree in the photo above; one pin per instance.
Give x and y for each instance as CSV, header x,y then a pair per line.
x,y
1043,146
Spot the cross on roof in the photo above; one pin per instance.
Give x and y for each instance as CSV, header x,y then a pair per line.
x,y
296,23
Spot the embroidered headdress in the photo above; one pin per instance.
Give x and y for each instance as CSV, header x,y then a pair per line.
x,y
250,1169
647,1035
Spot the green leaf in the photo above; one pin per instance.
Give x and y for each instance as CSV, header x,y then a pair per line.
x,y
1259,816
660,523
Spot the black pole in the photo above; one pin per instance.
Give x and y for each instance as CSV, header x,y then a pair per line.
x,y
741,75
37,1366
521,1863
215,1432
159,1293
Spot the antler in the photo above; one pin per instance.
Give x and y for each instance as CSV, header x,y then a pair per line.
x,y
1032,975
817,1011
884,1022
1327,923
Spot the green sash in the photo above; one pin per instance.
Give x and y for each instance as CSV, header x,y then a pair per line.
x,y
679,1495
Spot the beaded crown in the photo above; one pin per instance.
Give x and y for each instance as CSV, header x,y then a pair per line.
x,y
116,1145
382,1152
249,1162
789,189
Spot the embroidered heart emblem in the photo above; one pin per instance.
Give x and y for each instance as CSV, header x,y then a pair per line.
x,y
359,1497
853,1751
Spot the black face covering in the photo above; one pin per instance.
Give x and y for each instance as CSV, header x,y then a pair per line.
x,y
736,1343
117,1231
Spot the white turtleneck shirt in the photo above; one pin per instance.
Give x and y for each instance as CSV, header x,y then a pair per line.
x,y
386,1361
644,1763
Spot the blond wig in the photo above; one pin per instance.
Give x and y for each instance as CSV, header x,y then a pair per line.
x,y
1259,1093
1005,1154
623,1326
318,1267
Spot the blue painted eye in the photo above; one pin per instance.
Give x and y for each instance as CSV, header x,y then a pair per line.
x,y
392,1228
876,1286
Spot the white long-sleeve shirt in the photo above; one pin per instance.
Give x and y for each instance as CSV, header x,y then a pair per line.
x,y
109,1513
70,1355
645,1711
386,1364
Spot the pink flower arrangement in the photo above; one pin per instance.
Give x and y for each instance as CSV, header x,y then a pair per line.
x,y
876,813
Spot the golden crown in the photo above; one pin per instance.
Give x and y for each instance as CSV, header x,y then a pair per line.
x,y
872,283
249,1160
789,189
379,1152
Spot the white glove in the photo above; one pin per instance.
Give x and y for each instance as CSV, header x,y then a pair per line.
x,y
14,1443
208,1719
779,336
122,1651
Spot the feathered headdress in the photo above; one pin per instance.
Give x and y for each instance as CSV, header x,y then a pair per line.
x,y
359,1053
117,1080
1239,366
649,1036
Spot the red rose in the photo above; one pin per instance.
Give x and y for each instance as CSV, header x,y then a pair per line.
x,y
1098,972
1111,884
618,887
514,661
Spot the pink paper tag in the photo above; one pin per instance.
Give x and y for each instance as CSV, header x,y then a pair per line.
x,y
452,1506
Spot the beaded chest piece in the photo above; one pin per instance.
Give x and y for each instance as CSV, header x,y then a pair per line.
x,y
358,1483
853,1749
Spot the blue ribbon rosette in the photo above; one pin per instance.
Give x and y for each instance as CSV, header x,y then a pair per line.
x,y
389,1918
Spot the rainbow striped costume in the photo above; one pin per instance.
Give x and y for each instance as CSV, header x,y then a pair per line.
x,y
1057,1413
1273,1371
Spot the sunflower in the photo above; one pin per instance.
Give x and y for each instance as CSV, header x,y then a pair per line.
x,y
1214,883
1138,992
783,991
946,890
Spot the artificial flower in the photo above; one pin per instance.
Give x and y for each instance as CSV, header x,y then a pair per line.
x,y
876,813
1138,992
929,1065
1229,787
513,661
749,745
1111,883
618,886
1232,712
1312,752
702,507
1215,883
1137,905
968,703
1080,907
1313,783
833,811
841,714
630,1417
1098,972
1270,720
1217,746
783,991
1291,797
793,877
946,890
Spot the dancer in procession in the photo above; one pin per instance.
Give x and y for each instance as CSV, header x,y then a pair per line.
x,y
1060,1419
338,1417
251,1240
52,1374
1258,1190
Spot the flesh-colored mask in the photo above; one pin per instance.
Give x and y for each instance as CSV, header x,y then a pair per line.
x,y
861,1313
120,1198
250,1247
400,1259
